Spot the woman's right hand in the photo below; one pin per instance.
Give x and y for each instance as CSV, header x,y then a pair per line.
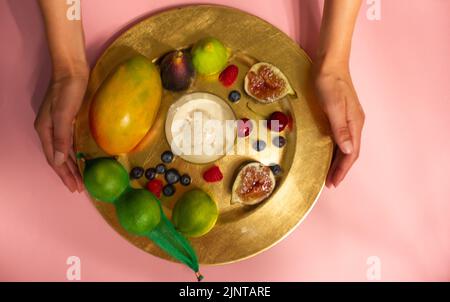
x,y
55,120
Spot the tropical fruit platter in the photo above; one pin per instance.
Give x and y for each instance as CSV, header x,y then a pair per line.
x,y
200,139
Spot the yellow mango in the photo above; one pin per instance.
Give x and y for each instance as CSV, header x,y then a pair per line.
x,y
125,106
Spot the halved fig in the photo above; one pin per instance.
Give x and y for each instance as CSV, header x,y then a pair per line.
x,y
266,83
254,183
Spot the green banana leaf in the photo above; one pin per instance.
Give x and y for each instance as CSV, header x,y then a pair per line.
x,y
175,244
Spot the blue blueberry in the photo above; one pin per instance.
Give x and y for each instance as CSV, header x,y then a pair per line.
x,y
234,96
150,173
136,172
167,157
259,145
276,169
168,190
160,168
185,180
279,141
172,176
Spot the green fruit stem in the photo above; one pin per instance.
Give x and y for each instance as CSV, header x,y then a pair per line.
x,y
81,156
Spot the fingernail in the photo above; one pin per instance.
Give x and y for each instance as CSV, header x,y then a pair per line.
x,y
59,158
347,147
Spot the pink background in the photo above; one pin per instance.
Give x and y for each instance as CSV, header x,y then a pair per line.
x,y
393,205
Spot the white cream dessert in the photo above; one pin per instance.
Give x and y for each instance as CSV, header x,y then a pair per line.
x,y
200,127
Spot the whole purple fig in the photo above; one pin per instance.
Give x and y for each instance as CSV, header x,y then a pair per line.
x,y
177,70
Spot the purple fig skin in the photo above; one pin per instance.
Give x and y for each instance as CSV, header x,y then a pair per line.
x,y
177,70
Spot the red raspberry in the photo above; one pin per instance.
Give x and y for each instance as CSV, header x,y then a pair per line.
x,y
229,75
280,120
290,124
155,186
213,174
244,127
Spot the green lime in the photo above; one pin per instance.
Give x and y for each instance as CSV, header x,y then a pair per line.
x,y
195,213
105,179
209,56
138,211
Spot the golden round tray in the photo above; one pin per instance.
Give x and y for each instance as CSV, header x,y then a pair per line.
x,y
240,232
